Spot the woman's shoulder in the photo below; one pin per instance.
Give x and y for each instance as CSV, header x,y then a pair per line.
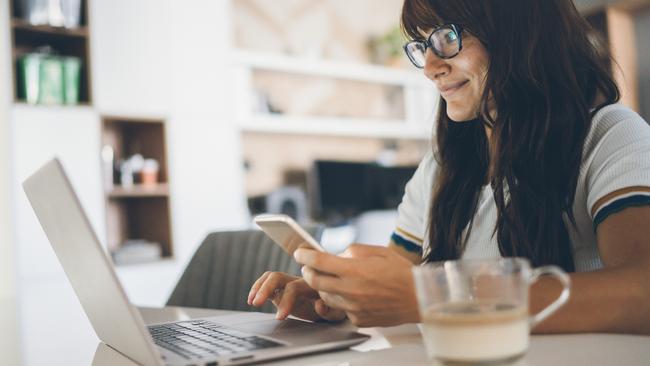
x,y
615,125
614,115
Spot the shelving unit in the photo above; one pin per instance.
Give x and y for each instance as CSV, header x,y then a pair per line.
x,y
26,38
419,98
344,127
333,69
304,78
159,190
140,211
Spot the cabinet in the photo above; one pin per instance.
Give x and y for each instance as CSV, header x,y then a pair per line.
x,y
72,42
137,208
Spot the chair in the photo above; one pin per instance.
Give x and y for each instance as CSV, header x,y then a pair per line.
x,y
224,267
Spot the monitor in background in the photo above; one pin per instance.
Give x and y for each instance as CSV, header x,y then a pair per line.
x,y
340,190
337,190
387,186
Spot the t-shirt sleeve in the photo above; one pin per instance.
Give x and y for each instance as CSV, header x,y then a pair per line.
x,y
412,211
619,173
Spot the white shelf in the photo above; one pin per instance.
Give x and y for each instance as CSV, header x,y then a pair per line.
x,y
330,69
332,126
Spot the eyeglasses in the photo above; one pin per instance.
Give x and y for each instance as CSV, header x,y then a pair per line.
x,y
445,41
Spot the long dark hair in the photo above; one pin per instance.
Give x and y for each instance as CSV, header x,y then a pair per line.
x,y
545,80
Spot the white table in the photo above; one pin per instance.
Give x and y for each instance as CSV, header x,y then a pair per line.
x,y
402,345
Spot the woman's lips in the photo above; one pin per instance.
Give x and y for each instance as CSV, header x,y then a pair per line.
x,y
448,90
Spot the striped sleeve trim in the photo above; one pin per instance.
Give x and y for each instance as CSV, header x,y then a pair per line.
x,y
619,204
408,245
405,234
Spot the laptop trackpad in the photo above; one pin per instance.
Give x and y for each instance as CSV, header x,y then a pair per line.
x,y
266,324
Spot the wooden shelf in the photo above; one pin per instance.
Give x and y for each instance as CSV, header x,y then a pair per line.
x,y
24,104
332,69
24,26
139,191
326,126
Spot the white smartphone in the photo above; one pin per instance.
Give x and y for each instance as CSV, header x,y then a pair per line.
x,y
286,233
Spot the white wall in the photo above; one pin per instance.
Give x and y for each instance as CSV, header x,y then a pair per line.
x,y
7,288
38,134
207,182
11,334
131,56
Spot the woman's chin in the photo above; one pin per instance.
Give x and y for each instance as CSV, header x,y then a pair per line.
x,y
461,117
458,112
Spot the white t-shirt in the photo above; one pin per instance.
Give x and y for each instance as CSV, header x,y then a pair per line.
x,y
616,155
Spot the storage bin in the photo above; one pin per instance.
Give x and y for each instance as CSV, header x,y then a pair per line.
x,y
49,79
71,74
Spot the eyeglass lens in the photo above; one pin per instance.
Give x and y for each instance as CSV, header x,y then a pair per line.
x,y
444,41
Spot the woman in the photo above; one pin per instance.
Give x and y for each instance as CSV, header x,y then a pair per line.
x,y
532,158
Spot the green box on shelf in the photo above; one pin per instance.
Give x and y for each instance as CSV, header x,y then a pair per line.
x,y
49,79
29,69
71,72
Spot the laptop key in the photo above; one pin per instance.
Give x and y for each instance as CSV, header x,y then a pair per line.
x,y
201,339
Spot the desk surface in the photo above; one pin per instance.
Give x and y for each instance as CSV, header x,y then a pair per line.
x,y
402,345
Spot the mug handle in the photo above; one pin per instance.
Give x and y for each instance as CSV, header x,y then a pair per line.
x,y
564,279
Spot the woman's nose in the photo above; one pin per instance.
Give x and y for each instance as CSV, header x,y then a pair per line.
x,y
434,66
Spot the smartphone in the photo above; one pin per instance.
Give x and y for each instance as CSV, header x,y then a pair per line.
x,y
286,233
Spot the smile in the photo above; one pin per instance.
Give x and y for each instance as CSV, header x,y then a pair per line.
x,y
448,90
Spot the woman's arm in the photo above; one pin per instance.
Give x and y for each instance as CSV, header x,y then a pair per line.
x,y
614,299
414,257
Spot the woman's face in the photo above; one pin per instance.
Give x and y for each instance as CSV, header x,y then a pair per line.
x,y
460,79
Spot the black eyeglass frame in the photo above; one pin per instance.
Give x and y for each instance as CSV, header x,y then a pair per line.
x,y
456,28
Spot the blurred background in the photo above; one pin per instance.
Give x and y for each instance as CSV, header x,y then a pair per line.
x,y
175,119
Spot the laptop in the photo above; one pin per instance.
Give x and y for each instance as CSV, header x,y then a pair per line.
x,y
239,338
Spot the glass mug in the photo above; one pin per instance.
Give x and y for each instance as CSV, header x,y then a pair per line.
x,y
475,311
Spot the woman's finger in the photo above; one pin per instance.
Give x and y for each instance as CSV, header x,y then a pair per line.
x,y
328,313
256,286
324,262
320,281
274,282
287,301
336,301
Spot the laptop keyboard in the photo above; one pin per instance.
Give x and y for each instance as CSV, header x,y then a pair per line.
x,y
202,339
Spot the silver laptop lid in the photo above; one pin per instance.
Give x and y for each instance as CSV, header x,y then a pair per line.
x,y
85,263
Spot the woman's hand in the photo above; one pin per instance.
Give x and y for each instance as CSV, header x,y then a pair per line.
x,y
292,296
373,285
